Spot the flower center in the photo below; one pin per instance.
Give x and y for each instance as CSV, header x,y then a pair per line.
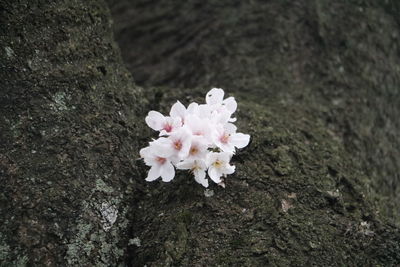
x,y
168,127
178,145
161,160
217,164
193,150
224,138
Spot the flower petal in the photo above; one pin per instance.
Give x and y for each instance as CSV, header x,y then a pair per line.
x,y
214,174
185,165
230,128
210,158
193,108
155,120
167,172
162,147
201,164
215,96
230,104
148,156
225,156
222,116
153,174
229,147
240,140
229,169
200,177
178,110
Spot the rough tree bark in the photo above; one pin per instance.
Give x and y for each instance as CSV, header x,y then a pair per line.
x,y
318,95
68,136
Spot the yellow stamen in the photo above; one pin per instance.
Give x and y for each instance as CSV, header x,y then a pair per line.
x,y
217,164
193,150
178,145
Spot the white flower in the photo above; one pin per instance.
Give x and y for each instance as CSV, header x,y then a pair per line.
x,y
198,148
215,99
218,165
197,167
200,138
177,144
199,127
166,125
221,109
160,166
226,138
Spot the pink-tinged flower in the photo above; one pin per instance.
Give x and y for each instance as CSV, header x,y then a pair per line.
x,y
199,127
198,148
166,125
190,138
218,165
177,144
226,138
221,109
197,167
215,99
160,166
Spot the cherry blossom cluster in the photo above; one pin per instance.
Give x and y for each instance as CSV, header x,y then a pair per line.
x,y
200,138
